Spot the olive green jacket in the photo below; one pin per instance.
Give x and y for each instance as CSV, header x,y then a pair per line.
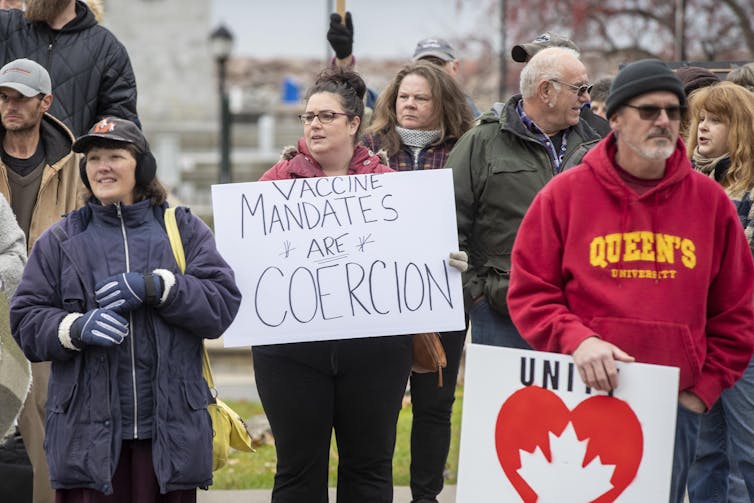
x,y
498,168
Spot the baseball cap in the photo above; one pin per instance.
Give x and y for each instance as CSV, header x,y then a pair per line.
x,y
112,128
437,47
27,77
522,53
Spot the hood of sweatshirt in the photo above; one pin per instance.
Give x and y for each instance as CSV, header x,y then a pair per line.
x,y
601,160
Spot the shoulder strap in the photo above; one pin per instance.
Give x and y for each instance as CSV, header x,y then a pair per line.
x,y
174,235
59,233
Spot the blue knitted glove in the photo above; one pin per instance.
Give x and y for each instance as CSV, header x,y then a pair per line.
x,y
99,327
127,291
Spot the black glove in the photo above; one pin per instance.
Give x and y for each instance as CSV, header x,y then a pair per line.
x,y
99,327
340,35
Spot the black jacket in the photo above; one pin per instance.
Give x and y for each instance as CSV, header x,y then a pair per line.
x,y
90,69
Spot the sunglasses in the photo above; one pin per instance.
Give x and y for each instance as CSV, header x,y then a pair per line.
x,y
325,117
652,112
580,90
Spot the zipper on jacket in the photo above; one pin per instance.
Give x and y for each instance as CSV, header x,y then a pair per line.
x,y
49,51
130,326
50,46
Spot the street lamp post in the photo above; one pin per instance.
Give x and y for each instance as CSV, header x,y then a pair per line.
x,y
503,82
222,44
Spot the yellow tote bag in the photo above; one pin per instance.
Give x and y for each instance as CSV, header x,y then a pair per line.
x,y
229,429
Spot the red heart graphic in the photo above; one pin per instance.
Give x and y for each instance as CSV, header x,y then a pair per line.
x,y
611,427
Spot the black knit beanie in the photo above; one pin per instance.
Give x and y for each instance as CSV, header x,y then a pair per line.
x,y
641,77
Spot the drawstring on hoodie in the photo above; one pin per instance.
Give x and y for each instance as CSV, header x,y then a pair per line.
x,y
653,228
653,199
625,204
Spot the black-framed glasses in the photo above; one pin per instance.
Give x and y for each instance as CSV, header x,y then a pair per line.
x,y
652,112
580,90
324,116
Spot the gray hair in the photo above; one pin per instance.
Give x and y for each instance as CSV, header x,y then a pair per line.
x,y
547,64
743,76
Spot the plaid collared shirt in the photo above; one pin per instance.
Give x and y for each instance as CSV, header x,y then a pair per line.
x,y
432,157
556,155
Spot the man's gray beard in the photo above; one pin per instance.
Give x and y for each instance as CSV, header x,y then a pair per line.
x,y
652,153
45,10
655,153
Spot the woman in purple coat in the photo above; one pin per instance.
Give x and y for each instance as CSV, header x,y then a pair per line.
x,y
103,299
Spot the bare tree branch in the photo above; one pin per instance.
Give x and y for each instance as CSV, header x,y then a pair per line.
x,y
744,18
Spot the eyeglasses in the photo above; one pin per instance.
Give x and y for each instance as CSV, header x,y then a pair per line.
x,y
324,116
580,90
652,112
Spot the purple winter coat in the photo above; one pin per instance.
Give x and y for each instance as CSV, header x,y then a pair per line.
x,y
86,416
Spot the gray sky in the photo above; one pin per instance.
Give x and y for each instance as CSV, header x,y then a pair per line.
x,y
297,28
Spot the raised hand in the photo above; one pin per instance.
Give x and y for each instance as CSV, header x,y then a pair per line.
x,y
340,35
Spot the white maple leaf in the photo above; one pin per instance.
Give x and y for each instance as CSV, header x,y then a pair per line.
x,y
565,480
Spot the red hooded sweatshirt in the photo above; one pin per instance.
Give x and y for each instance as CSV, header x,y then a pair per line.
x,y
667,276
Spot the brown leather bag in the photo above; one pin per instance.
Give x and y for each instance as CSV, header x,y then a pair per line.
x,y
428,355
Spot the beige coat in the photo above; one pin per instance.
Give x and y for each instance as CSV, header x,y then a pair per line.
x,y
61,188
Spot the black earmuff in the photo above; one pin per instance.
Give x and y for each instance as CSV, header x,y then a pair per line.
x,y
146,168
82,172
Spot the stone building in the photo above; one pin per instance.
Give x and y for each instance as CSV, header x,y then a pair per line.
x,y
168,41
178,103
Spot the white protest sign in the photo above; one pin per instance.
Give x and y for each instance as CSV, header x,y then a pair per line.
x,y
340,257
532,432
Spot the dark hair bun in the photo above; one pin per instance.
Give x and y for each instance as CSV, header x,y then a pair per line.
x,y
342,77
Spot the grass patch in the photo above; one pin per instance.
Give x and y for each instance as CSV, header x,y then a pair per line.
x,y
256,470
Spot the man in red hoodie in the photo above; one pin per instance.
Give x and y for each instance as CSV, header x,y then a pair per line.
x,y
634,256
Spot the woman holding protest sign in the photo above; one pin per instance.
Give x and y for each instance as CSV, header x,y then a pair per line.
x,y
352,386
417,120
103,298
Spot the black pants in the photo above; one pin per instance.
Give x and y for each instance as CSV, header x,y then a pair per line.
x,y
430,431
354,387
